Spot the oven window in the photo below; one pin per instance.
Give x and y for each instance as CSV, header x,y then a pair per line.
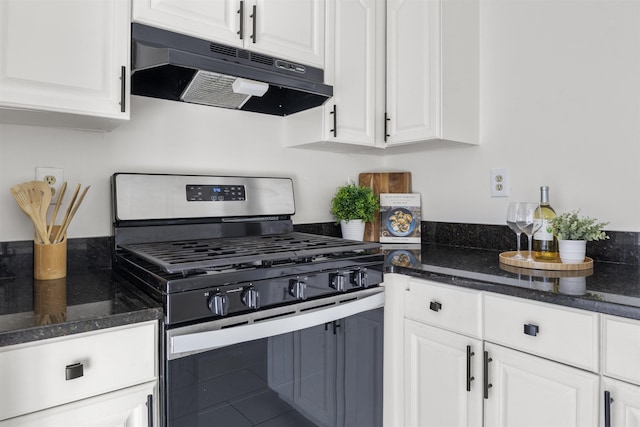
x,y
327,375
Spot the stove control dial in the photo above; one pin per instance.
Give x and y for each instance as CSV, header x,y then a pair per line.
x,y
251,298
219,304
298,288
360,278
339,280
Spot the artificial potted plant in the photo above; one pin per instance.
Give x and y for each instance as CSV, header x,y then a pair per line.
x,y
573,232
353,206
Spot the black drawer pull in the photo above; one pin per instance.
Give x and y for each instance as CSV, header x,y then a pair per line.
x,y
532,330
469,377
435,306
487,385
607,408
74,371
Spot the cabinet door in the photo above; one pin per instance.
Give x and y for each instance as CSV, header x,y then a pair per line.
x,y
623,407
288,29
413,70
437,369
124,408
353,71
69,57
217,20
528,391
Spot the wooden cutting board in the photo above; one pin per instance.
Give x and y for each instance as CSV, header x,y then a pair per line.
x,y
383,182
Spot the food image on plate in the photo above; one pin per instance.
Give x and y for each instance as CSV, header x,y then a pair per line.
x,y
400,221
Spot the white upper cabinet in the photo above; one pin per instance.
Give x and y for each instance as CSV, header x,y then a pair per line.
x,y
65,64
286,29
354,66
402,72
432,74
413,70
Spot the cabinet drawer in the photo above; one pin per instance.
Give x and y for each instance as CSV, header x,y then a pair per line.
x,y
621,348
562,334
447,307
34,375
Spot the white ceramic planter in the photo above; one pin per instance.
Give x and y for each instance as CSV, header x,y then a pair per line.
x,y
352,230
572,251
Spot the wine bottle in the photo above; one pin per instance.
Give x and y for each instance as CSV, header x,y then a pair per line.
x,y
545,244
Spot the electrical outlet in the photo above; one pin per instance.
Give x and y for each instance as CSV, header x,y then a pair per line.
x,y
499,182
52,176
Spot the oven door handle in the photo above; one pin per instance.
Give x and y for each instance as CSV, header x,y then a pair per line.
x,y
183,343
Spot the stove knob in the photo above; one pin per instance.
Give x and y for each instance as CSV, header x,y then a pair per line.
x,y
219,304
339,282
298,288
251,298
360,278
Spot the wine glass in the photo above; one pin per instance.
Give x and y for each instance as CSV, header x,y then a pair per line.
x,y
512,212
525,219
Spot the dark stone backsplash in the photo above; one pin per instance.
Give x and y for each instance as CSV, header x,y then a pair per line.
x,y
94,253
621,247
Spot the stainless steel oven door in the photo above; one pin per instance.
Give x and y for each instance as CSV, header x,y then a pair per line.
x,y
317,363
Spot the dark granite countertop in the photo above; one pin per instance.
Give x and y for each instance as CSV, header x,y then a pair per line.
x,y
33,310
609,288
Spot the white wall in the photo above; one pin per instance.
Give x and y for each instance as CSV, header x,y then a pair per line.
x,y
166,137
560,106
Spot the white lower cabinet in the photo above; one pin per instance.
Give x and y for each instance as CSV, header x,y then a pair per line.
x,y
442,356
474,358
442,377
124,408
621,372
104,378
529,391
620,404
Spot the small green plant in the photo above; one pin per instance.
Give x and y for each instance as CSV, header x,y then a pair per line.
x,y
570,226
354,202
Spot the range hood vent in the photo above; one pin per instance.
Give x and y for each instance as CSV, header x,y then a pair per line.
x,y
177,67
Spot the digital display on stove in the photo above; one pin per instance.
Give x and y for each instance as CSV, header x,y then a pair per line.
x,y
215,193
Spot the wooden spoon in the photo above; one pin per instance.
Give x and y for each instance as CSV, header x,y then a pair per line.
x,y
55,210
45,199
69,215
22,197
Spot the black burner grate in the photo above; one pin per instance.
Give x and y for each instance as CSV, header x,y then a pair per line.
x,y
189,255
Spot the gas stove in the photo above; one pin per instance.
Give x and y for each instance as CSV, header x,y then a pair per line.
x,y
211,247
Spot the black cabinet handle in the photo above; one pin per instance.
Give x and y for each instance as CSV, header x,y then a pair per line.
x,y
150,410
532,330
241,13
74,371
335,121
254,16
487,385
435,306
386,121
123,88
469,377
607,408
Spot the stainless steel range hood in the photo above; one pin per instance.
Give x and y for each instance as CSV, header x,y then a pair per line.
x,y
174,66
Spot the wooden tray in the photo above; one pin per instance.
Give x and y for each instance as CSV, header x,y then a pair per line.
x,y
506,258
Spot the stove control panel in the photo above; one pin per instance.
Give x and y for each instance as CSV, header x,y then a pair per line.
x,y
216,193
229,299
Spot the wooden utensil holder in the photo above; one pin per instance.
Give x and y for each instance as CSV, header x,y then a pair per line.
x,y
50,261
